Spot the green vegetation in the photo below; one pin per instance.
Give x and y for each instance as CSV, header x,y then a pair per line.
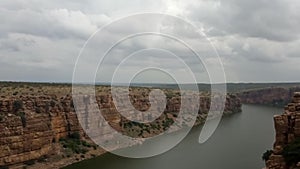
x,y
4,167
75,136
73,144
23,118
38,110
170,95
52,103
17,105
30,162
291,152
42,159
267,155
1,117
167,123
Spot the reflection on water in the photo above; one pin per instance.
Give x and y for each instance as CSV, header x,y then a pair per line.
x,y
238,143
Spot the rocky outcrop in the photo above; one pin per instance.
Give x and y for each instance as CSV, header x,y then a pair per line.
x,y
287,128
275,96
31,126
170,115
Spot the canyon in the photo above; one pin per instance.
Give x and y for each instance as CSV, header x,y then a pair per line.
x,y
37,122
272,96
287,126
39,126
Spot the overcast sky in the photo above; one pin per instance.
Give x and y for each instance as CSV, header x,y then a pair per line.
x,y
257,40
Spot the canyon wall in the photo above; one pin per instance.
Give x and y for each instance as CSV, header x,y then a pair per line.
x,y
275,96
287,128
31,126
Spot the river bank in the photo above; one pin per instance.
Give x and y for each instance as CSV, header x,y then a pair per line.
x,y
238,142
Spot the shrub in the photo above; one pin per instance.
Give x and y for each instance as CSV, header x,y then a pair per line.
x,y
95,147
291,152
169,95
23,118
62,140
38,110
167,123
17,105
52,103
267,155
42,159
30,162
86,144
83,150
75,135
53,140
47,107
73,144
1,119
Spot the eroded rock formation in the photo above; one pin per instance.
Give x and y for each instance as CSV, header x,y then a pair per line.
x,y
287,128
275,96
31,126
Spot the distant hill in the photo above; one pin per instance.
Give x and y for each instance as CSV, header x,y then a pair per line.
x,y
231,87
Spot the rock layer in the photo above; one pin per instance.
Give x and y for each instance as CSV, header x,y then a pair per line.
x,y
31,126
287,127
275,96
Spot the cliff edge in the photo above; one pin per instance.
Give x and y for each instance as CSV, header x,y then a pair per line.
x,y
38,124
286,149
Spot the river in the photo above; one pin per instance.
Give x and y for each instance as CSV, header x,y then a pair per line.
x,y
238,143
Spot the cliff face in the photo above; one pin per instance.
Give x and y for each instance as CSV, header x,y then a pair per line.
x,y
31,126
287,128
275,96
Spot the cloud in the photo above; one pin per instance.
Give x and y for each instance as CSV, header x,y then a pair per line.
x,y
277,20
257,40
54,23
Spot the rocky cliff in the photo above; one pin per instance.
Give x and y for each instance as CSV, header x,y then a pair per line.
x,y
32,126
286,151
274,96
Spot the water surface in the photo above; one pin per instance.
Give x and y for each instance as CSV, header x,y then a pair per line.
x,y
238,143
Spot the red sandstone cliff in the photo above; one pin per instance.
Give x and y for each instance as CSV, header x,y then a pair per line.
x,y
31,126
275,96
287,128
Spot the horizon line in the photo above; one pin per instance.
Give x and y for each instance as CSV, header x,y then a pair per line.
x,y
105,83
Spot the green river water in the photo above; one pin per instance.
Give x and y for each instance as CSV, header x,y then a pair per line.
x,y
238,143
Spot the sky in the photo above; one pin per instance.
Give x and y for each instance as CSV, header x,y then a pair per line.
x,y
256,41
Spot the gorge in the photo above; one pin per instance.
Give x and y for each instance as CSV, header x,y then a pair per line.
x,y
39,126
36,123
